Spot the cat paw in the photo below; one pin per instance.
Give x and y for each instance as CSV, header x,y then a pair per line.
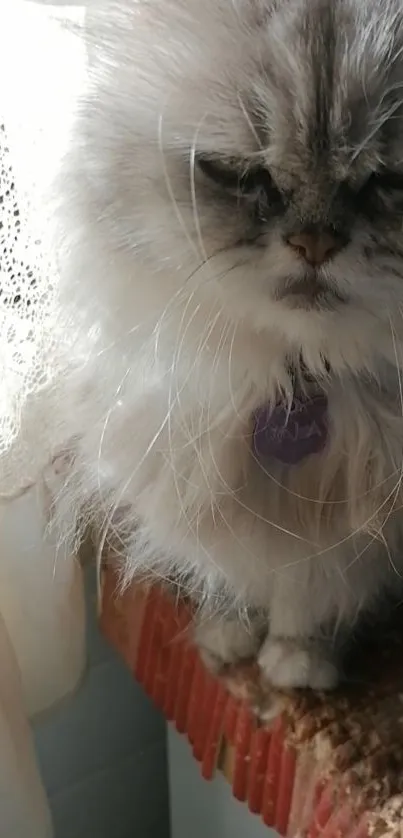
x,y
225,642
289,664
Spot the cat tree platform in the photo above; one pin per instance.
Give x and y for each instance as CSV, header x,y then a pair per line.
x,y
322,766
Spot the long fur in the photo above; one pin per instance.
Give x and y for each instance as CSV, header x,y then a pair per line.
x,y
178,297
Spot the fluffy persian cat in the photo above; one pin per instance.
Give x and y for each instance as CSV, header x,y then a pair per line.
x,y
233,248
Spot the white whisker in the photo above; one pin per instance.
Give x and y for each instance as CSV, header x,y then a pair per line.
x,y
192,164
250,123
171,193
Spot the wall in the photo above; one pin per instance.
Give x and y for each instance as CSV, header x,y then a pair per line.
x,y
205,810
103,753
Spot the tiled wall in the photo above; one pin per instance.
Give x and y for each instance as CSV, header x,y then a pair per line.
x,y
103,753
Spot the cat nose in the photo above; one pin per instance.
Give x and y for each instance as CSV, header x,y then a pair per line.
x,y
315,248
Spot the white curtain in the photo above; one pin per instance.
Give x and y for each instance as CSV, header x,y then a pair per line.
x,y
41,595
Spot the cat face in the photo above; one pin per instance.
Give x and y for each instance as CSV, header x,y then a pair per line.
x,y
256,148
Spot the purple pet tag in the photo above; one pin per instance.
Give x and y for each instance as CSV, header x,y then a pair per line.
x,y
290,435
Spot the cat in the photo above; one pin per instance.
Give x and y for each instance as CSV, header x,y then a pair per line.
x,y
231,212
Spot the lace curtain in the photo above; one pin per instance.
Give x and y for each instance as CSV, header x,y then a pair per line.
x,y
41,603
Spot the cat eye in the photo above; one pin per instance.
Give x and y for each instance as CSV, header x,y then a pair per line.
x,y
238,178
223,174
252,183
382,193
388,180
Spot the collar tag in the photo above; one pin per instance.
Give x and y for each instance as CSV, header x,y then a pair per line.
x,y
291,434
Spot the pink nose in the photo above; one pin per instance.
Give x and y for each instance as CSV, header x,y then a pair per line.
x,y
315,248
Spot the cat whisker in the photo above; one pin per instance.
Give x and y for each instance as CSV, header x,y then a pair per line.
x,y
171,193
192,165
385,117
176,400
249,123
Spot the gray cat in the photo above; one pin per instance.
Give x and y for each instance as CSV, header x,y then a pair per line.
x,y
232,219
